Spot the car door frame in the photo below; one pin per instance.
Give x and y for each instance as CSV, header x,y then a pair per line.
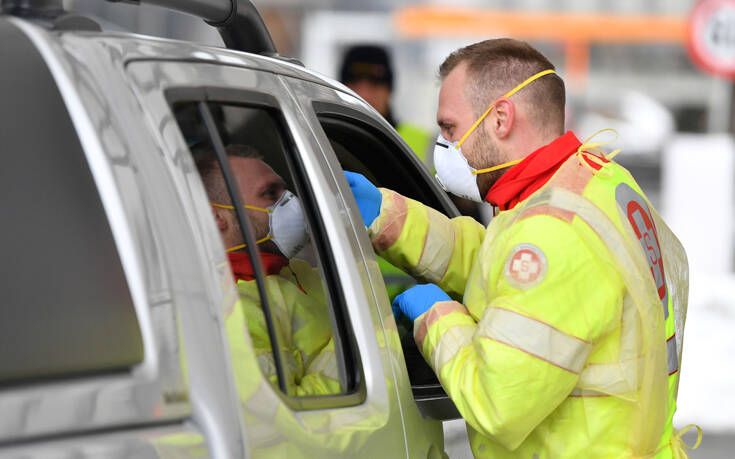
x,y
420,414
380,406
431,399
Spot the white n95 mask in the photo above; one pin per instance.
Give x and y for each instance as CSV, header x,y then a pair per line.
x,y
286,224
453,172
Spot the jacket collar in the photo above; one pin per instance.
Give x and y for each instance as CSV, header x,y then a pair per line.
x,y
243,269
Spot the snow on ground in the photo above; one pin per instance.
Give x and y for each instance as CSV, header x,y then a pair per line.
x,y
707,384
699,206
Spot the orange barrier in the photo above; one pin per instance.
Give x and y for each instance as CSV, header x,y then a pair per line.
x,y
436,21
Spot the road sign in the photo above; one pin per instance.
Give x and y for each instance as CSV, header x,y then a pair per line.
x,y
711,36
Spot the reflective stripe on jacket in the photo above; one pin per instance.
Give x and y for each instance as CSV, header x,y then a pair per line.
x,y
561,346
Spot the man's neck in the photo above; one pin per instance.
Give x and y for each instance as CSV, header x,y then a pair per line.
x,y
524,143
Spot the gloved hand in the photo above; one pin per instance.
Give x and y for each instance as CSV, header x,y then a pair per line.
x,y
368,197
419,299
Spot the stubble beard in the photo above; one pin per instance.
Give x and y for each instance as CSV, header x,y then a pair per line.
x,y
261,228
488,155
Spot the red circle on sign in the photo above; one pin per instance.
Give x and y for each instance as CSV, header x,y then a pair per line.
x,y
711,36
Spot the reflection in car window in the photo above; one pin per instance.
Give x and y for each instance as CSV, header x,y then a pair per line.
x,y
296,313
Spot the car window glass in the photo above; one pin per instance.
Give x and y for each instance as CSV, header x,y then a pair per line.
x,y
284,295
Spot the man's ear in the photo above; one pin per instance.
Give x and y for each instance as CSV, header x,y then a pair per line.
x,y
219,217
505,111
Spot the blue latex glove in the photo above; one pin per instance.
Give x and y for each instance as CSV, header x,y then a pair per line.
x,y
368,197
419,299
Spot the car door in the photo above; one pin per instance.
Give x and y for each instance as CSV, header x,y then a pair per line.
x,y
363,142
91,354
233,105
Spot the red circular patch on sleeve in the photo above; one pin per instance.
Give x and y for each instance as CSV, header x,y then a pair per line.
x,y
526,266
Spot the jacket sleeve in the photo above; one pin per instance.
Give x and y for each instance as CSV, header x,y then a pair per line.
x,y
425,243
508,371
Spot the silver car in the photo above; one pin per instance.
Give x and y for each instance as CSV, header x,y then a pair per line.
x,y
116,291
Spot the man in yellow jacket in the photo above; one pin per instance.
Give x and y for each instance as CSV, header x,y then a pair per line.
x,y
557,329
294,288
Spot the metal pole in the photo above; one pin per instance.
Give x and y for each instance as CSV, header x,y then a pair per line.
x,y
234,190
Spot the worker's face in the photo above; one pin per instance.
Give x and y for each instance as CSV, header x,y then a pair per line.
x,y
261,187
455,116
376,94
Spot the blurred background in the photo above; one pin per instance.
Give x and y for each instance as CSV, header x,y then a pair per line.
x,y
626,66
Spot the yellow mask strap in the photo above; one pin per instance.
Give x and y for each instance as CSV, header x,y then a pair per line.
x,y
506,95
495,168
587,145
261,209
242,246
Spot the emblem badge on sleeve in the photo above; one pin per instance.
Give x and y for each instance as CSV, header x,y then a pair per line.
x,y
526,266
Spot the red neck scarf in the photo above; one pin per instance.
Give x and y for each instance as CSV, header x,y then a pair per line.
x,y
243,269
528,176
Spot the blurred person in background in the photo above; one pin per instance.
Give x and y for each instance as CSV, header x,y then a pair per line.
x,y
367,70
564,343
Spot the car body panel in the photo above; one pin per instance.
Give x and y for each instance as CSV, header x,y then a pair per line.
x,y
161,262
175,441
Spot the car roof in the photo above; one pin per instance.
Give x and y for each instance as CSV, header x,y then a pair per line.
x,y
116,50
132,47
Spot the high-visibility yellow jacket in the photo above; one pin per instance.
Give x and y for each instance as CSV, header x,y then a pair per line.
x,y
565,340
299,310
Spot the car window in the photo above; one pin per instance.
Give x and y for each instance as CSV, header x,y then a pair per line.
x,y
277,252
364,148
